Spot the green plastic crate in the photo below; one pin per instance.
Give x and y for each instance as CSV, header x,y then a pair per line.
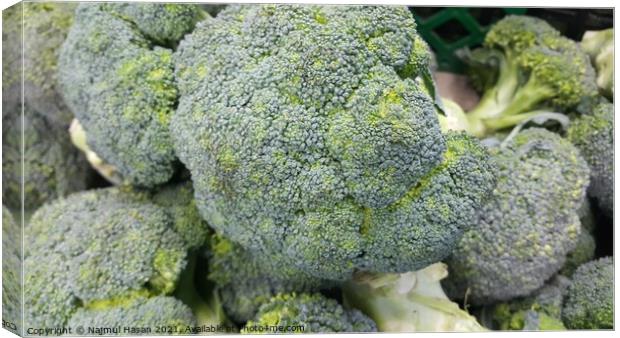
x,y
470,31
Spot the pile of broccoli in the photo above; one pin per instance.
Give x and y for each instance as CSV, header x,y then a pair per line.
x,y
191,169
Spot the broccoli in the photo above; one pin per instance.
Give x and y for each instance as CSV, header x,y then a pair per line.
x,y
539,311
245,280
116,74
600,47
111,252
528,224
583,252
313,312
49,166
409,302
590,296
531,69
593,135
32,36
312,132
11,272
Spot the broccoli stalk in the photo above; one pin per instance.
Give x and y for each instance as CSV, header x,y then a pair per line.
x,y
207,312
408,302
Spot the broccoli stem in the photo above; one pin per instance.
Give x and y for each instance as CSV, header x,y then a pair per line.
x,y
208,312
413,301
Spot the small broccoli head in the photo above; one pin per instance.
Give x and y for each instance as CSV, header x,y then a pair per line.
x,y
164,312
533,69
245,279
32,36
116,75
528,224
539,311
584,252
589,299
600,47
314,312
308,132
11,272
593,135
102,248
51,166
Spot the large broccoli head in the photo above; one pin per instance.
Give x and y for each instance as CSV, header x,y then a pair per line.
x,y
310,131
245,280
312,313
107,251
11,272
117,76
589,300
529,223
593,135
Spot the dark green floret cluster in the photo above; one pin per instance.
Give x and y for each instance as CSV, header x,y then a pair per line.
x,y
195,169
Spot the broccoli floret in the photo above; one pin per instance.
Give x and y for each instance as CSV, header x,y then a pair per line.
x,y
600,47
535,70
314,312
311,131
32,36
528,224
409,302
593,135
589,299
116,74
11,272
106,250
51,166
245,280
542,310
584,252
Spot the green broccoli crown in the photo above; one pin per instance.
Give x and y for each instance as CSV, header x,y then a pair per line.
x,y
245,280
600,47
159,311
528,224
11,271
589,299
51,166
102,248
539,311
117,75
314,312
593,135
33,34
307,133
533,69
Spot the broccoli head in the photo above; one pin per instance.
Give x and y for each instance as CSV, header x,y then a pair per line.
x,y
409,302
313,312
11,272
537,312
245,280
312,131
529,223
584,252
110,252
32,36
48,167
531,69
117,76
590,296
593,135
600,47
